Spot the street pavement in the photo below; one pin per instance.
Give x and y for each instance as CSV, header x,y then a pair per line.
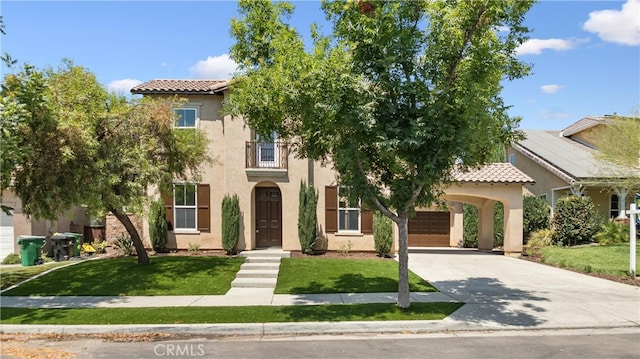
x,y
500,294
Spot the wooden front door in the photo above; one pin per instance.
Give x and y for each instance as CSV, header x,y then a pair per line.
x,y
268,217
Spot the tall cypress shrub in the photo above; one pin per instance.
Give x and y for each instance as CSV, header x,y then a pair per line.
x,y
307,219
230,223
382,233
158,228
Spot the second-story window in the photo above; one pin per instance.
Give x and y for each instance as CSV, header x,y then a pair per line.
x,y
186,117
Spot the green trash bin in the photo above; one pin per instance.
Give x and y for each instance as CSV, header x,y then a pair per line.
x,y
30,249
77,242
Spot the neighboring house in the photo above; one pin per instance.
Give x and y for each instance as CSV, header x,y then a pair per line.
x,y
17,224
266,177
565,162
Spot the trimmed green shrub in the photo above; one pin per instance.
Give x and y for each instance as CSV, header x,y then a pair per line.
x,y
575,221
536,213
158,228
230,223
307,218
11,258
541,238
612,232
382,233
470,224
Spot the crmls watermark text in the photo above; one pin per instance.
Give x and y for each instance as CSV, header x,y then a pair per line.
x,y
179,350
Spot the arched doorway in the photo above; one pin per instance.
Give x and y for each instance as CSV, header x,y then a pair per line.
x,y
268,202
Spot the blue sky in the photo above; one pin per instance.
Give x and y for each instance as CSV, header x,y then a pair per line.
x,y
585,54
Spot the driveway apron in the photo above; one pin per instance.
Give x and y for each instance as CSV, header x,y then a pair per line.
x,y
505,292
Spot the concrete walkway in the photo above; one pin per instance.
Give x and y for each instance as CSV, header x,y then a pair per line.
x,y
501,293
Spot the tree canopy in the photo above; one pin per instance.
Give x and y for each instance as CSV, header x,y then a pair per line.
x,y
71,142
399,94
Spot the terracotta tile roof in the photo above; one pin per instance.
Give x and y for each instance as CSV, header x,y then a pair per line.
x,y
181,87
494,173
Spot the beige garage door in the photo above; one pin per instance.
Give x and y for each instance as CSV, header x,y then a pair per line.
x,y
429,229
6,235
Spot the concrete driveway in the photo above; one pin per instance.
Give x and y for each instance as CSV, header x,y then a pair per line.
x,y
504,292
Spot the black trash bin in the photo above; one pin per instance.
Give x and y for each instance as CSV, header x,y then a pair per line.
x,y
60,244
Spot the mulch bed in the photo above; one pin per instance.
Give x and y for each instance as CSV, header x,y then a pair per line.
x,y
336,254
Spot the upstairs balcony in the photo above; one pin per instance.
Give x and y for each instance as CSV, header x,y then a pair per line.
x,y
266,158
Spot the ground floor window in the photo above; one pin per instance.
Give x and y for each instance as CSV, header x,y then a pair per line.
x,y
348,212
184,206
613,207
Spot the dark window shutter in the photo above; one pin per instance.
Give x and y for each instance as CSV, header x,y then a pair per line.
x,y
331,209
168,206
204,213
366,221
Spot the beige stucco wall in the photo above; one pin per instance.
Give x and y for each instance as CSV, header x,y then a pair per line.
x,y
545,180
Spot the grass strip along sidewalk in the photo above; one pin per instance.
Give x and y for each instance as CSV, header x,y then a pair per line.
x,y
248,314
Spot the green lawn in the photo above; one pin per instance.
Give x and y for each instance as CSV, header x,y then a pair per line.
x,y
249,314
610,260
320,275
14,275
189,275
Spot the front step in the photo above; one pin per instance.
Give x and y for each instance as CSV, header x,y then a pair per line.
x,y
265,253
262,260
254,282
259,266
257,273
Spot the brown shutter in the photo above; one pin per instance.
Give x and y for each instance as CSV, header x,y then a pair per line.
x,y
330,209
204,213
168,206
366,220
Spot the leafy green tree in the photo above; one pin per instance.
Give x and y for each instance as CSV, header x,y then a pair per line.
x,y
307,217
619,143
78,144
230,223
397,96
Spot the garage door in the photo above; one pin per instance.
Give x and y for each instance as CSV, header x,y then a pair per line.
x,y
429,229
6,235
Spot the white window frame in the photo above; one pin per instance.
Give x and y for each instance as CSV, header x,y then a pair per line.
x,y
176,207
187,107
347,210
614,212
274,163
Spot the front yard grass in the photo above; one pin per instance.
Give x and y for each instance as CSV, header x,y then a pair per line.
x,y
170,275
14,275
249,314
320,275
605,260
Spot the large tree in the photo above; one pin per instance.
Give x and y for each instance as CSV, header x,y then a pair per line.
x,y
74,143
397,97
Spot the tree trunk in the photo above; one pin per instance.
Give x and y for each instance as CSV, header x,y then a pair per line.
x,y
143,258
404,300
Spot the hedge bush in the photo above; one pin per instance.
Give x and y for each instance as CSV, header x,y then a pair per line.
x,y
158,228
575,221
382,233
470,224
307,218
536,214
612,232
230,223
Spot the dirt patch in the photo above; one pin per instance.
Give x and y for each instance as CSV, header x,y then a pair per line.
x,y
336,254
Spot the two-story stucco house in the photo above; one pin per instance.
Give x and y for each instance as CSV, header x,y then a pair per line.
x,y
566,161
266,177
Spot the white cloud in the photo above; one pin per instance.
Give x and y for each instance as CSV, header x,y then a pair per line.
x,y
551,88
124,85
214,67
550,114
619,26
536,46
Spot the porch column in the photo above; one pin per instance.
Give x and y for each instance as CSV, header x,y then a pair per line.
x,y
456,238
622,201
513,227
485,225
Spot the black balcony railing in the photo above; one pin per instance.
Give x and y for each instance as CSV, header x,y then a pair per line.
x,y
266,155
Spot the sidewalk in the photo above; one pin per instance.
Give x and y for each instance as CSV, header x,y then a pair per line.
x,y
500,294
